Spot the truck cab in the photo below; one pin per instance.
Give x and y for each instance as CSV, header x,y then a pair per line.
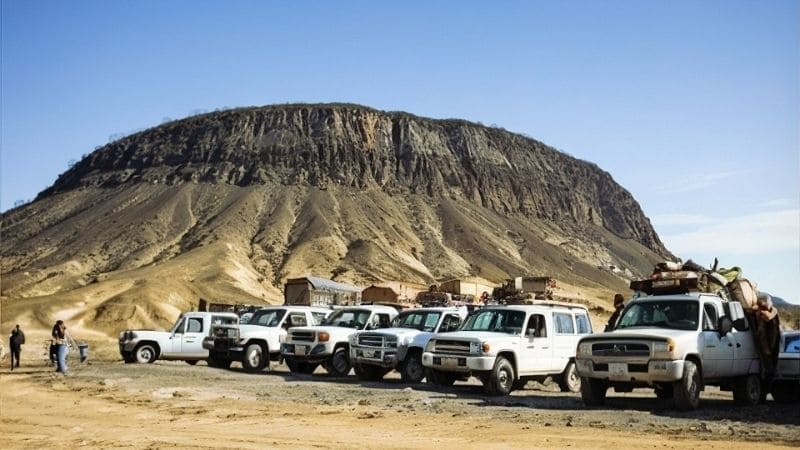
x,y
306,348
507,346
183,342
258,342
786,384
375,353
676,344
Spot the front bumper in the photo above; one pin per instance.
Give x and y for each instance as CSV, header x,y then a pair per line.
x,y
654,371
458,363
387,358
307,351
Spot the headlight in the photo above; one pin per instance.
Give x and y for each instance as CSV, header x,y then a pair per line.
x,y
353,339
585,349
429,346
664,349
391,344
323,336
474,347
281,338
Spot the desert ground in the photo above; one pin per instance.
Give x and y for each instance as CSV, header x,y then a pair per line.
x,y
108,404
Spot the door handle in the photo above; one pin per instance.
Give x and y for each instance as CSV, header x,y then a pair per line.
x,y
731,345
738,345
545,348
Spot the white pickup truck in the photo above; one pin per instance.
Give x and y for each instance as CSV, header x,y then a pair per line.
x,y
375,353
507,346
258,341
308,347
677,344
183,342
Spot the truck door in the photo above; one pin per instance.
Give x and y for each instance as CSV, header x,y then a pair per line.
x,y
744,349
717,350
192,339
536,351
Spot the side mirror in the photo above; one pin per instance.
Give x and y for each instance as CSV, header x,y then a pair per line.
x,y
740,324
724,325
530,333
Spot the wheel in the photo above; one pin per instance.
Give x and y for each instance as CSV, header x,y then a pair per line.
x,y
254,358
501,380
145,353
365,372
786,391
411,370
686,391
339,363
593,391
439,378
747,390
569,380
191,362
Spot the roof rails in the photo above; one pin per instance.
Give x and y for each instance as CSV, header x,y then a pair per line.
x,y
547,303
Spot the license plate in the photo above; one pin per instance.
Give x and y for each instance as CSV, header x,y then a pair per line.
x,y
299,349
618,371
449,362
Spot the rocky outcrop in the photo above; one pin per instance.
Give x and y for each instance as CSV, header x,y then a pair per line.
x,y
364,149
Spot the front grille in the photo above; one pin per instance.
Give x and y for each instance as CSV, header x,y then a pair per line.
x,y
602,367
370,340
448,346
621,349
302,336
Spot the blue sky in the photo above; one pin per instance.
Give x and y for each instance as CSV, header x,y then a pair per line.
x,y
692,106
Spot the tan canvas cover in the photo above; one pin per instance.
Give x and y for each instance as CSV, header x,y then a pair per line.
x,y
745,293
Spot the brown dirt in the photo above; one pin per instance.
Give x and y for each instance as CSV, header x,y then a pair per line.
x,y
174,405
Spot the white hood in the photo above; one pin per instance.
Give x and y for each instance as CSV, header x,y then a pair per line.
x,y
640,333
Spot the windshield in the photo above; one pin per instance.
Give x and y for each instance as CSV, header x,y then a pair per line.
x,y
348,318
672,314
422,321
498,320
267,317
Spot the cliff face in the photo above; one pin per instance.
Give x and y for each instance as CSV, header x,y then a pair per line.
x,y
361,148
227,205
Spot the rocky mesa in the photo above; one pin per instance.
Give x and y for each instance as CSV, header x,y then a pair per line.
x,y
229,204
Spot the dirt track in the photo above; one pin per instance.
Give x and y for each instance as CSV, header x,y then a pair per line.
x,y
174,405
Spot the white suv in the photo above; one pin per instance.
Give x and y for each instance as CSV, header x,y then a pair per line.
x,y
677,344
308,347
259,340
375,353
507,346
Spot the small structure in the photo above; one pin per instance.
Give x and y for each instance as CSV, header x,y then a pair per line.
x,y
315,291
379,294
466,287
535,285
227,306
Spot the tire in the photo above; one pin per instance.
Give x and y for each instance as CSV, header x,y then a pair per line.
x,y
569,380
786,391
255,358
439,378
593,391
501,380
686,391
366,372
411,370
191,362
747,390
145,353
339,363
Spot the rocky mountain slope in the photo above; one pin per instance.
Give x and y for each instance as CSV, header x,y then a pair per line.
x,y
230,204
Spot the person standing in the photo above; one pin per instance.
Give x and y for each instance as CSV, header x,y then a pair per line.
x,y
15,341
619,305
60,338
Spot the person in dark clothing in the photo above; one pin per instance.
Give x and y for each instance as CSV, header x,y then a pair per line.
x,y
53,347
618,306
15,341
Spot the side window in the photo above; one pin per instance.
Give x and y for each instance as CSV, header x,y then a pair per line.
x,y
450,323
180,327
318,317
296,320
564,323
584,326
383,321
222,320
792,344
537,326
195,325
710,317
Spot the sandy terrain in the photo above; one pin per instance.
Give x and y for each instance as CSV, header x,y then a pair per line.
x,y
174,405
